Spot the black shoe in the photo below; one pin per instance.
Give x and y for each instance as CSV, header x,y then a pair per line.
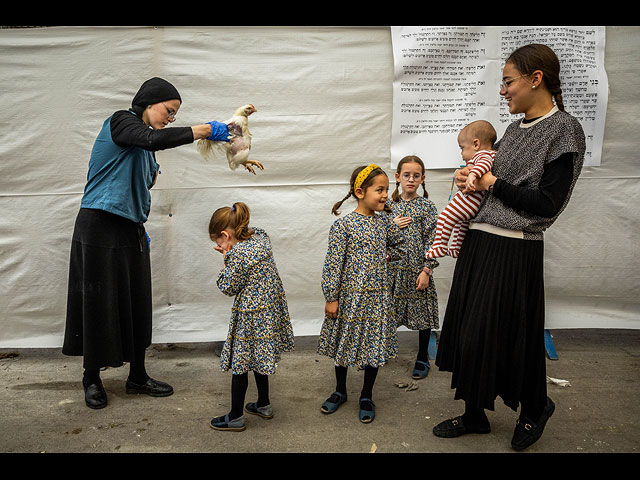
x,y
527,433
150,387
94,396
455,428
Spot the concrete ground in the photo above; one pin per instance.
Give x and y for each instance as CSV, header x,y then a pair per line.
x,y
42,404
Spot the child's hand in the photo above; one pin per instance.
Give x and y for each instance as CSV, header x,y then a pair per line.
x,y
331,309
470,184
219,249
423,281
402,222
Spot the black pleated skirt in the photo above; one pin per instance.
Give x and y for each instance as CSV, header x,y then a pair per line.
x,y
492,337
109,305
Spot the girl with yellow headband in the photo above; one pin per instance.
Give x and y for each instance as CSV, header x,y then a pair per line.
x,y
358,329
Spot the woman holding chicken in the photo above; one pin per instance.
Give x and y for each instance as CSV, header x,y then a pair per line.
x,y
109,294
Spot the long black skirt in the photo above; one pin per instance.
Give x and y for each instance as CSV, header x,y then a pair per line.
x,y
109,305
492,337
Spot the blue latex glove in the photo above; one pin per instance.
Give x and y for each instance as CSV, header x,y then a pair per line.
x,y
219,131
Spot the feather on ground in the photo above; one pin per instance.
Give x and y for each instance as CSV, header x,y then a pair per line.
x,y
239,144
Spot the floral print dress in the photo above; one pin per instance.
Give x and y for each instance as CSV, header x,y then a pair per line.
x,y
415,309
355,275
260,327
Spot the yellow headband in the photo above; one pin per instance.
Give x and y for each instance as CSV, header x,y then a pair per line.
x,y
363,175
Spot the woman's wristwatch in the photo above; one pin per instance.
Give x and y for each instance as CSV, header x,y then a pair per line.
x,y
427,270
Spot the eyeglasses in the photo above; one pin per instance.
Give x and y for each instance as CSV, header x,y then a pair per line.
x,y
505,83
171,115
408,176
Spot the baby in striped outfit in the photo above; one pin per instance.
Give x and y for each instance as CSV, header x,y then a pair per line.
x,y
476,142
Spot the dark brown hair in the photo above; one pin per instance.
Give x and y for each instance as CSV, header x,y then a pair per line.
x,y
395,196
365,184
235,217
529,58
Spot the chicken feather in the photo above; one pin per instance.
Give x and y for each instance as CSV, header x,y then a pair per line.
x,y
239,144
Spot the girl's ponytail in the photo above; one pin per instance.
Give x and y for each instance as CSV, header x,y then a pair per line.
x,y
395,196
240,220
235,217
337,205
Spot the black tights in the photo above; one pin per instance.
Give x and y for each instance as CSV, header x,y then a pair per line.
x,y
137,371
239,384
423,345
370,374
473,415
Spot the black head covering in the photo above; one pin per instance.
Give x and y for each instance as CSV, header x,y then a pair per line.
x,y
154,90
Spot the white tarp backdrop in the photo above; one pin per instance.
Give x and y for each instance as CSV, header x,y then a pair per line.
x,y
324,100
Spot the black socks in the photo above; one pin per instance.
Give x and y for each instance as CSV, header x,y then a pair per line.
x,y
90,377
474,416
137,370
262,383
341,379
423,345
239,385
370,374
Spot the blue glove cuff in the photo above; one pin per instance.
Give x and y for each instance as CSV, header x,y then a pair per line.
x,y
219,131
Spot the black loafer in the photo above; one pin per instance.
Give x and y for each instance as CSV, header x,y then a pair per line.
x,y
151,387
94,396
455,428
527,432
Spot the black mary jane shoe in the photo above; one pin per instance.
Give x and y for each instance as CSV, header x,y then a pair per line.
x,y
527,432
95,396
454,427
151,387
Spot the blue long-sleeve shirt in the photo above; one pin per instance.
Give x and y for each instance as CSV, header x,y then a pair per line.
x,y
123,166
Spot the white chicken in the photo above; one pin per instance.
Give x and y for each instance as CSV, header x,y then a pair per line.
x,y
239,144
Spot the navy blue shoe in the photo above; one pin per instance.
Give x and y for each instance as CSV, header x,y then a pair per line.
x,y
419,373
226,424
332,403
367,410
254,409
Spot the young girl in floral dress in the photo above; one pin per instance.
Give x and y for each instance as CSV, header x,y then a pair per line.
x,y
415,301
260,328
358,329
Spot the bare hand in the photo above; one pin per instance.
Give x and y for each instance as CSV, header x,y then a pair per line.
x,y
223,250
402,222
331,309
460,177
422,281
469,186
485,181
